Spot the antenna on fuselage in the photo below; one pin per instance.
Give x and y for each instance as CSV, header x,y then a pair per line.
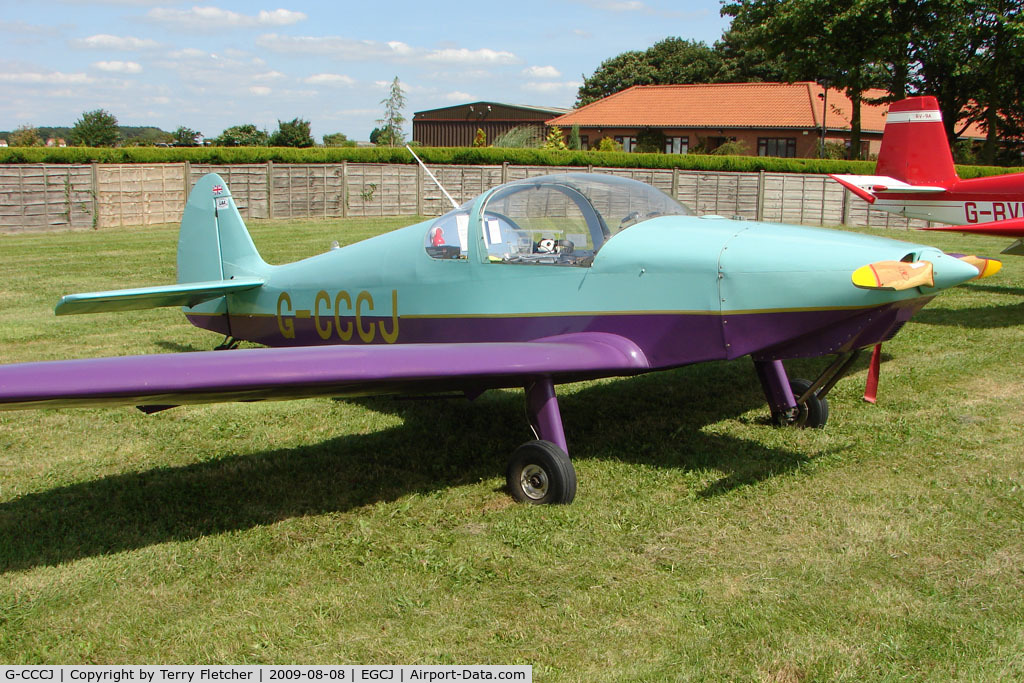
x,y
432,176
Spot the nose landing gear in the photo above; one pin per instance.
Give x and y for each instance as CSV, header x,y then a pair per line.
x,y
801,402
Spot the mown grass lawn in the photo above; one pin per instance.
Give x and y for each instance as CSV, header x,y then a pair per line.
x,y
703,544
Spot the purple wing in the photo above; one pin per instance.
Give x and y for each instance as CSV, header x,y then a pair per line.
x,y
302,372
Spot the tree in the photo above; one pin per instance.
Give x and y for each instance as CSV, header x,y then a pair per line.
x,y
25,136
574,137
650,140
244,135
555,139
391,124
676,61
615,74
96,128
836,40
338,140
294,133
186,137
480,139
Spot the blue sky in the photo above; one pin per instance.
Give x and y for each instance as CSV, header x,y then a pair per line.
x,y
210,66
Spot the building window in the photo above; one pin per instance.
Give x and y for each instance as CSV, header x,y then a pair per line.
x,y
677,145
584,142
776,147
628,142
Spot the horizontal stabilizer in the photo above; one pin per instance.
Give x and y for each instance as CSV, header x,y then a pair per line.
x,y
1016,249
300,372
868,187
184,294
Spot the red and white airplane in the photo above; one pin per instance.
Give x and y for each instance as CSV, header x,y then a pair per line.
x,y
915,177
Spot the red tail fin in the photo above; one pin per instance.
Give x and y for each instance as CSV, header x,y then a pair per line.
x,y
914,146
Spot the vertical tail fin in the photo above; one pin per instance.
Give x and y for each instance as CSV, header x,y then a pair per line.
x,y
213,243
914,146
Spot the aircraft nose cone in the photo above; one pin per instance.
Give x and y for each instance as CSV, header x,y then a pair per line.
x,y
949,270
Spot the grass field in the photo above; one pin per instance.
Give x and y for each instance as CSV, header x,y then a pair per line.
x,y
703,545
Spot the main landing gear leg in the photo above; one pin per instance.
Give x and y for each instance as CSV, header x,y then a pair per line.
x,y
540,471
800,402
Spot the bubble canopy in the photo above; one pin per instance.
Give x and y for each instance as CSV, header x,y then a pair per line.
x,y
560,219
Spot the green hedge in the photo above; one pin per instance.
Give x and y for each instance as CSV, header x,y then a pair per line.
x,y
446,155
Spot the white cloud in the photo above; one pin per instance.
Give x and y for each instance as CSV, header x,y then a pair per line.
x,y
260,90
109,42
22,28
208,18
268,76
457,96
345,49
550,87
617,5
329,79
464,56
542,72
620,6
279,17
54,77
348,49
187,53
119,67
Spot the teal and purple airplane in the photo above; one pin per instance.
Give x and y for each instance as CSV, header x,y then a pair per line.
x,y
532,284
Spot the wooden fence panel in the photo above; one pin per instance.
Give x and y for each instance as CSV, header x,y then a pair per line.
x,y
248,184
40,196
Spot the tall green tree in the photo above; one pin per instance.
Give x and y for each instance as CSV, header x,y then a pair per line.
x,y
294,133
25,136
338,140
186,137
391,124
244,135
96,128
832,40
675,61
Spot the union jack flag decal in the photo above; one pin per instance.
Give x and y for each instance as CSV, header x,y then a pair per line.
x,y
217,189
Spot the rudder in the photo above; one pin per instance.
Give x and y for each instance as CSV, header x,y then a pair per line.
x,y
213,243
914,146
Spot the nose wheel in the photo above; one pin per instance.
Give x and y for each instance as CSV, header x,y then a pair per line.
x,y
540,473
812,412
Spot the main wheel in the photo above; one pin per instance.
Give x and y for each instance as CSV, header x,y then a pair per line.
x,y
540,473
814,412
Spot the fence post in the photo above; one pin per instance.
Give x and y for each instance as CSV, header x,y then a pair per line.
x,y
95,195
419,190
675,183
270,189
846,206
504,172
760,195
344,189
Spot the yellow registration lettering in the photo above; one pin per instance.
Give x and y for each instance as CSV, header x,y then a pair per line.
x,y
368,334
345,333
325,331
286,325
392,336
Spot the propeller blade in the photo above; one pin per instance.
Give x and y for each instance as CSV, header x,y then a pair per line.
x,y
985,266
894,275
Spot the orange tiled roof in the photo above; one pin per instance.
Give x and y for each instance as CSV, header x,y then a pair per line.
x,y
726,105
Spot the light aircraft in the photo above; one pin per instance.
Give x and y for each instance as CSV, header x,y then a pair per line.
x,y
534,283
915,177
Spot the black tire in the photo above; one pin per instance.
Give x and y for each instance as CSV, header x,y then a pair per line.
x,y
540,473
814,413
